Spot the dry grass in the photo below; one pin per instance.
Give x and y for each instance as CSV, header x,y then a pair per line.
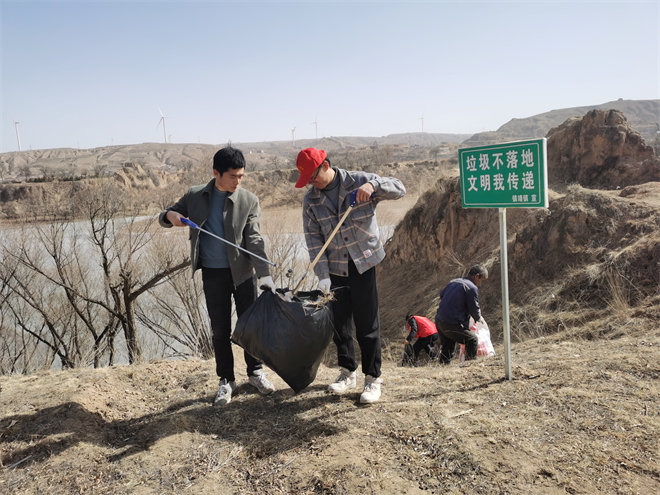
x,y
579,416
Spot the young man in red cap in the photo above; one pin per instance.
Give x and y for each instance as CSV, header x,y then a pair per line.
x,y
348,264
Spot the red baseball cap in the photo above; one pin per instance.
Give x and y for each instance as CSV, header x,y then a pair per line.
x,y
307,162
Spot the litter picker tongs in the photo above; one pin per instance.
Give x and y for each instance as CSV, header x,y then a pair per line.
x,y
195,226
352,202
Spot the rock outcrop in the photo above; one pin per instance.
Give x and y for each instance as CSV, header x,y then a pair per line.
x,y
133,176
599,150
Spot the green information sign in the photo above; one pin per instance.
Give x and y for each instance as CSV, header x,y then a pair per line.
x,y
508,175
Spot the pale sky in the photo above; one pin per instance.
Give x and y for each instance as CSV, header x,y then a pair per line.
x,y
93,74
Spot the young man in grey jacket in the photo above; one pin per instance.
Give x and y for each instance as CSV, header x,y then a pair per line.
x,y
233,213
348,264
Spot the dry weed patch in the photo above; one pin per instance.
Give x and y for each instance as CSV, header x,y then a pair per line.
x,y
579,416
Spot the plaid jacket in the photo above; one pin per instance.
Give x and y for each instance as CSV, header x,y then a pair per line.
x,y
359,237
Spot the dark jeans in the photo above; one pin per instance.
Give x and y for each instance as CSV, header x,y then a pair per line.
x,y
450,335
218,290
425,344
357,300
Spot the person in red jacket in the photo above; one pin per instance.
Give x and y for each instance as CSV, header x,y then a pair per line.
x,y
426,333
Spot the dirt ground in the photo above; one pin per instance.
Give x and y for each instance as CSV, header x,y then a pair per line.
x,y
578,416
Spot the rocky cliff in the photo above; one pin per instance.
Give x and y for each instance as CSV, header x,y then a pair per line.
x,y
600,150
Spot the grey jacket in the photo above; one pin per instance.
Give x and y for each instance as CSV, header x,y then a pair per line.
x,y
242,216
358,237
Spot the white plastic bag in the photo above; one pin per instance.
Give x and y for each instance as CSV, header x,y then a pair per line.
x,y
483,334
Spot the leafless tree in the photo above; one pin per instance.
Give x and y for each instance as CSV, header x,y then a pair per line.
x,y
175,311
288,251
434,152
274,162
81,280
36,310
24,170
119,241
99,169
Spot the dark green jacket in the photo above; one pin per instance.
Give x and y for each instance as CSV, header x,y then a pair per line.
x,y
242,216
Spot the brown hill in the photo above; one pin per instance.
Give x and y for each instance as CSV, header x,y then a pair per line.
x,y
65,163
643,115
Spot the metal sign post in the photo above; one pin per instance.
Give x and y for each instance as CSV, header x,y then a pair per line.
x,y
505,294
508,175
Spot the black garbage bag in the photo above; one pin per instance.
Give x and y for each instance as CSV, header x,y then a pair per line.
x,y
289,337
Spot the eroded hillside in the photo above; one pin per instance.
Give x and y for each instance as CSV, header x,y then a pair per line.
x,y
591,261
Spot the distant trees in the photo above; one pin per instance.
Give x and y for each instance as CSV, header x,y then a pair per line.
x,y
99,169
274,162
24,171
434,152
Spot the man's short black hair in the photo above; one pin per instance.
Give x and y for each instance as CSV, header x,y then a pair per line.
x,y
408,316
228,157
478,270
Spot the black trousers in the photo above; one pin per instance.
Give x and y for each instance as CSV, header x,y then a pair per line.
x,y
357,300
425,344
218,289
450,335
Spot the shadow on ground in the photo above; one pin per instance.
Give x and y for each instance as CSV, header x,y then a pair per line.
x,y
261,425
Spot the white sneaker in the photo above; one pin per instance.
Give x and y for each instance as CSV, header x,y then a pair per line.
x,y
224,392
259,380
371,391
346,380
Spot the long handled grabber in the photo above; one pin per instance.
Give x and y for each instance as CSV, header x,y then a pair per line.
x,y
195,226
352,201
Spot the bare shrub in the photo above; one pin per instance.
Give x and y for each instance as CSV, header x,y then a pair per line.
x,y
287,249
175,311
81,280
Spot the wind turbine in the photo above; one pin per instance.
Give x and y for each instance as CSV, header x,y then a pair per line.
x,y
293,136
18,137
316,126
422,119
162,119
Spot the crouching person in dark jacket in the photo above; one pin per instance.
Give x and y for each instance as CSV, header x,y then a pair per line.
x,y
458,301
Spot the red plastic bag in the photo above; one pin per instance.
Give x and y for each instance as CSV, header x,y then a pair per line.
x,y
483,334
